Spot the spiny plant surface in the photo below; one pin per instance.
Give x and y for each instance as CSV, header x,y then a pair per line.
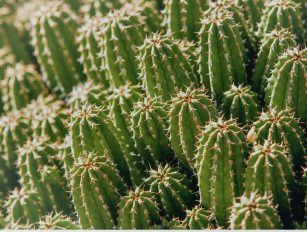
x,y
153,114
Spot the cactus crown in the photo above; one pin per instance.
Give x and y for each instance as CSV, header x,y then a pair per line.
x,y
57,221
197,218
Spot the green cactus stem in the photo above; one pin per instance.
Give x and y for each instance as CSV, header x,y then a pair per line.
x,y
190,110
53,32
197,218
173,190
96,189
221,147
95,7
138,210
240,103
221,54
254,213
287,85
57,221
165,69
182,18
149,128
269,172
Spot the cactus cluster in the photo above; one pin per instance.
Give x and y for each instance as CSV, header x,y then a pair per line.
x,y
153,114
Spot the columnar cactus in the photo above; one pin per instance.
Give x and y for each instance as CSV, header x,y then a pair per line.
x,y
165,69
138,210
89,92
254,213
121,32
282,14
173,190
272,46
57,221
95,7
149,128
281,127
36,162
190,110
53,29
197,219
23,206
221,147
269,171
92,131
182,18
287,86
240,103
96,189
252,10
20,85
221,61
122,100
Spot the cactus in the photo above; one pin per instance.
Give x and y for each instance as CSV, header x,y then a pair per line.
x,y
96,188
254,213
197,219
165,69
20,85
37,170
280,127
95,7
272,46
138,210
221,61
86,92
287,85
173,190
269,171
189,112
92,131
2,222
53,29
240,103
121,103
252,10
182,18
282,14
57,221
221,147
149,127
23,206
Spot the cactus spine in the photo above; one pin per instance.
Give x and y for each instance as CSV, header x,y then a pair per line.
x,y
138,210
96,188
57,221
165,69
182,18
272,46
149,128
287,86
189,112
240,103
221,147
269,171
197,219
221,61
53,30
173,190
254,212
282,14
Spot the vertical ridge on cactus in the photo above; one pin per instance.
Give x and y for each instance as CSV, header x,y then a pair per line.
x,y
273,44
165,69
138,210
197,219
190,110
240,103
221,147
53,29
269,171
173,190
221,54
254,212
282,14
287,85
96,188
182,18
